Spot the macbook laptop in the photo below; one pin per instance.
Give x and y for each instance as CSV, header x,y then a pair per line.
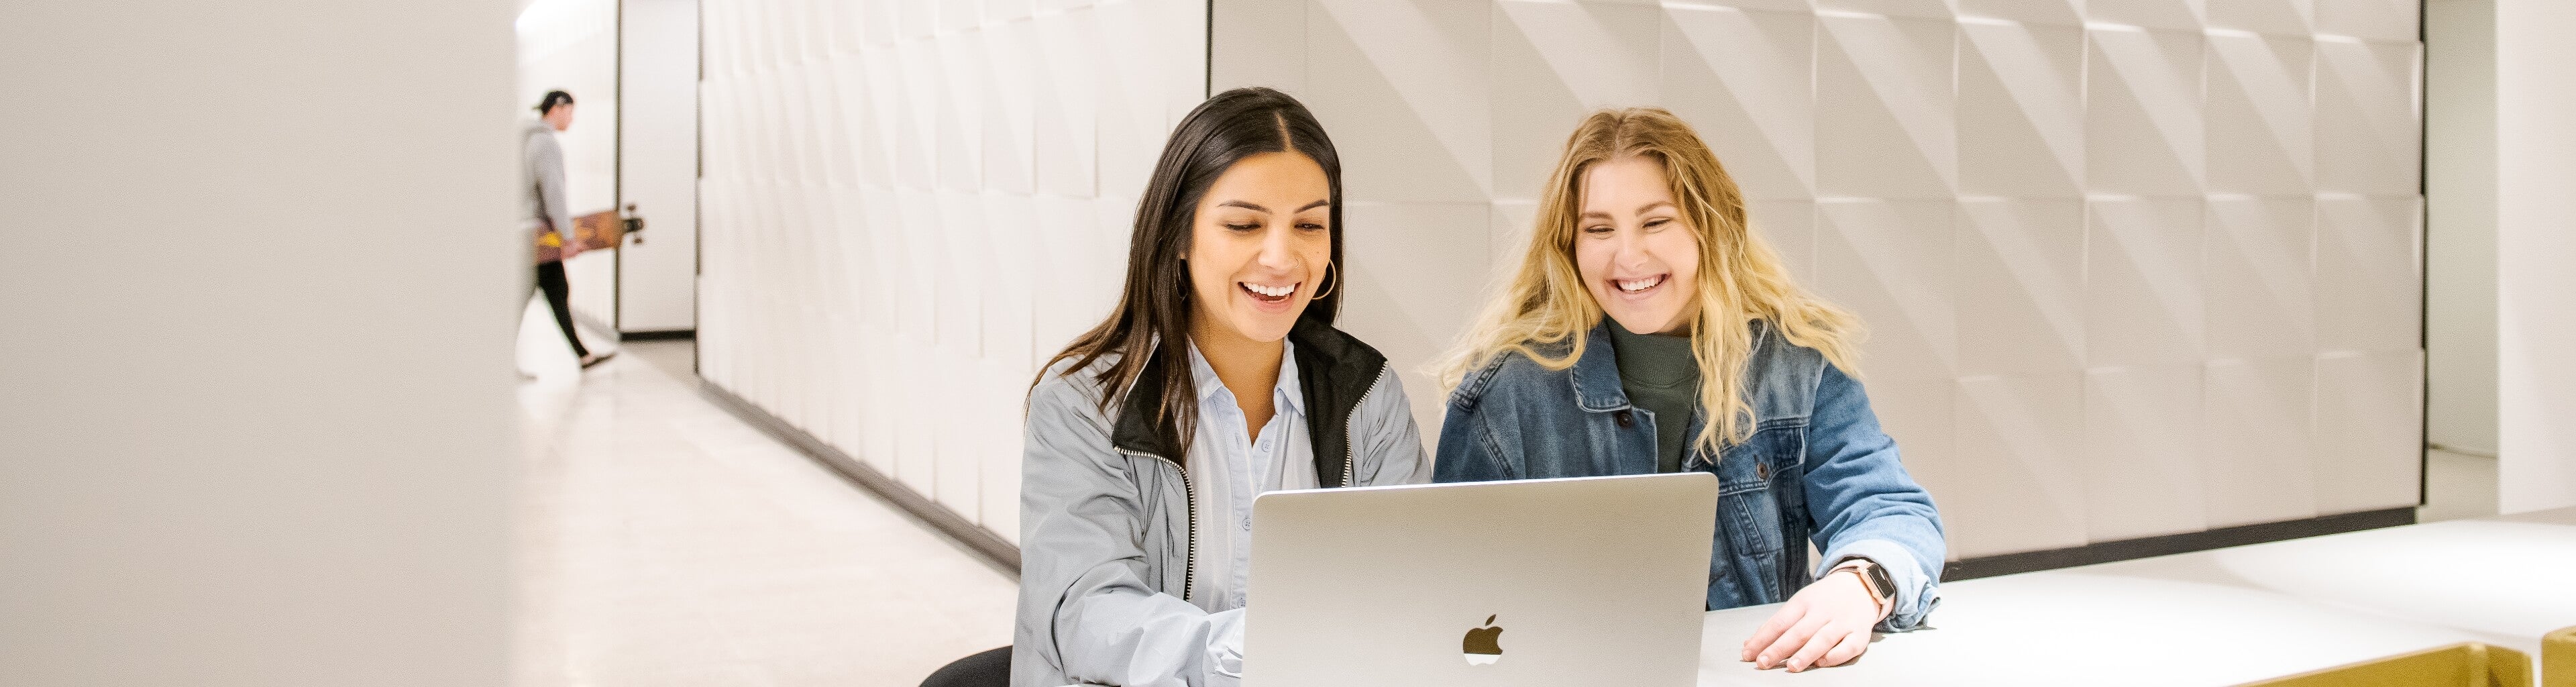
x,y
1582,581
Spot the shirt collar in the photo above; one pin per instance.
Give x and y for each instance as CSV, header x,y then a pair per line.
x,y
1286,394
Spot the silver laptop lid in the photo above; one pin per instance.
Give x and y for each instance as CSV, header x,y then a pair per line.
x,y
1583,581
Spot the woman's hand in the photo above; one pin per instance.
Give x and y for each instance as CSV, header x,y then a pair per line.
x,y
1826,624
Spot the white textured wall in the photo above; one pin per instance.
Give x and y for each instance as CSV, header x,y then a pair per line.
x,y
2460,230
2535,239
2134,267
658,275
571,46
909,203
259,269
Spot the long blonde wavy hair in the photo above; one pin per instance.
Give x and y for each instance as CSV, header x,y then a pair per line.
x,y
1740,279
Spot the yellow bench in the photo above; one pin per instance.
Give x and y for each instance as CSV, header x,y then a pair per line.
x,y
2467,664
2558,658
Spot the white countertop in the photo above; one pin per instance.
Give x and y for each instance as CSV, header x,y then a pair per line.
x,y
2219,617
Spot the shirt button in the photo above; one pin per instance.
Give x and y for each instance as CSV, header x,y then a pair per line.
x,y
1625,419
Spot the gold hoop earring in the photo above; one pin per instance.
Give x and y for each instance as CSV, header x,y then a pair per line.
x,y
1328,289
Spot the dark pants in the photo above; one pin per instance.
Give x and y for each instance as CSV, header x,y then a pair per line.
x,y
550,279
987,669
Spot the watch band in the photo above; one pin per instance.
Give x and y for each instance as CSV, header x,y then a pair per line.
x,y
1874,580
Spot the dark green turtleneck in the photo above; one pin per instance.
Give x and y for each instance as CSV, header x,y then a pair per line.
x,y
1660,376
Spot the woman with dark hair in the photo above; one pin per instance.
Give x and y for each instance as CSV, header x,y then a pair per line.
x,y
1218,377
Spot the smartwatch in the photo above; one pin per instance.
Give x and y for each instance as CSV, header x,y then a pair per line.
x,y
1873,578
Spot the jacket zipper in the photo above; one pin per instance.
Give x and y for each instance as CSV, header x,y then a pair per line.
x,y
1350,439
1190,505
1190,492
1190,561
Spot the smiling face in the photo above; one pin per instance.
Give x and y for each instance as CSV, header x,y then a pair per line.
x,y
1259,244
1638,254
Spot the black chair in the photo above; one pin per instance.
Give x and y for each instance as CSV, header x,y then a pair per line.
x,y
985,669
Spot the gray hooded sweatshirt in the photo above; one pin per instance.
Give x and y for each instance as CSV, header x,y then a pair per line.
x,y
541,178
1106,539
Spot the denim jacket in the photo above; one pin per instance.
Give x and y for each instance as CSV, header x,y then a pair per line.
x,y
1815,467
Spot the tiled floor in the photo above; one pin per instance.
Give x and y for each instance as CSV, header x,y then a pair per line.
x,y
664,542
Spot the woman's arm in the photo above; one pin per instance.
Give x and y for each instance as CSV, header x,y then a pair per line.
x,y
1865,504
1086,612
1390,439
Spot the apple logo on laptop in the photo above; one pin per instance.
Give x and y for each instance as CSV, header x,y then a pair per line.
x,y
1483,645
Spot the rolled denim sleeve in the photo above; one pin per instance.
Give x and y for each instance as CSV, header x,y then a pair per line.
x,y
1864,504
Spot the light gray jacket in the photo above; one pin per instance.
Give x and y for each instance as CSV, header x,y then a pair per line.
x,y
1105,517
541,178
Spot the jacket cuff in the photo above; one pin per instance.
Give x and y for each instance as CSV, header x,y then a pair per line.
x,y
1918,589
1225,655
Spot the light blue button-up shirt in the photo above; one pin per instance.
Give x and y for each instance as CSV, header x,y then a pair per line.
x,y
1229,466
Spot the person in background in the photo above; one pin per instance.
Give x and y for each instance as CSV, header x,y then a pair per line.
x,y
548,216
1650,330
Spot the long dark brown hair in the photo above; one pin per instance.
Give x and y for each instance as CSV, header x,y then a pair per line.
x,y
1154,306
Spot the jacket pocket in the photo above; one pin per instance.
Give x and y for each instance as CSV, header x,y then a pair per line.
x,y
1747,474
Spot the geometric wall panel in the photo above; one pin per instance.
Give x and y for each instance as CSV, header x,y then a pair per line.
x,y
2367,447
2143,129
2018,434
2368,283
2142,451
2368,130
1562,60
1745,76
2256,464
2130,267
2257,281
2023,261
910,203
2259,125
2021,109
1883,91
2143,282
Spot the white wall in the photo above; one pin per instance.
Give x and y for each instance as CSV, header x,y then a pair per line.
x,y
2141,269
2460,229
261,270
2134,267
657,278
2535,239
571,46
909,203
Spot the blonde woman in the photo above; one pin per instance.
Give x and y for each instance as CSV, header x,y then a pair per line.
x,y
1648,330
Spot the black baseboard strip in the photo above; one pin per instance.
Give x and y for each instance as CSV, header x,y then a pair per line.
x,y
1004,556
1001,554
665,335
2149,547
